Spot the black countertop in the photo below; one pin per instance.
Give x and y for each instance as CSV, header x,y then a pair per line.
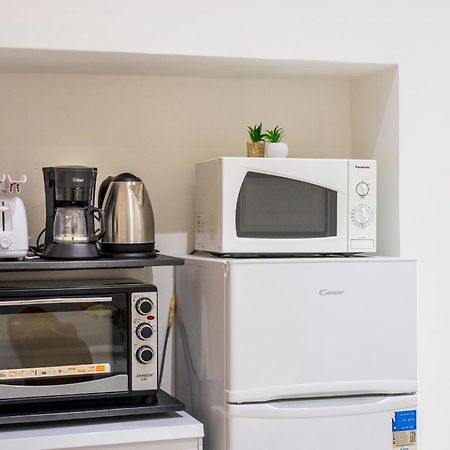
x,y
40,264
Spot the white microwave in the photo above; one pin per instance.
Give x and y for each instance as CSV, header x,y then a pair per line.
x,y
285,206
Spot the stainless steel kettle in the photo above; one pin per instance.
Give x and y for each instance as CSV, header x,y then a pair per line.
x,y
128,218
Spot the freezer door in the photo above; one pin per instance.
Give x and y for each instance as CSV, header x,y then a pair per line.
x,y
312,327
369,423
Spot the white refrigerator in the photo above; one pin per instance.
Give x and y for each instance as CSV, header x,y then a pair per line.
x,y
299,353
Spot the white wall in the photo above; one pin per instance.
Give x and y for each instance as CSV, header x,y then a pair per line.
x,y
324,29
158,128
375,135
414,34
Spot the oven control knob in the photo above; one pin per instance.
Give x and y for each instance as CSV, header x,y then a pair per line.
x,y
144,354
362,189
144,306
144,331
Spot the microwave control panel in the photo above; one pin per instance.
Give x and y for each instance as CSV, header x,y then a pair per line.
x,y
144,341
362,203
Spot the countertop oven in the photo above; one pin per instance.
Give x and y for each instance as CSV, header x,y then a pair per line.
x,y
63,340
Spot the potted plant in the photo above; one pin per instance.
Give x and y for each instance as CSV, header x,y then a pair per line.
x,y
256,145
275,148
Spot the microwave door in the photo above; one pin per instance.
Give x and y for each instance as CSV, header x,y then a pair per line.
x,y
281,211
274,207
66,345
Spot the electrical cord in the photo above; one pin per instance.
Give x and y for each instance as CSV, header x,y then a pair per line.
x,y
38,248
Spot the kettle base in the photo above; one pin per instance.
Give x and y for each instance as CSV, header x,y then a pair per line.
x,y
146,250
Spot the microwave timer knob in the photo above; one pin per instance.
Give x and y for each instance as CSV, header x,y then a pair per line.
x,y
144,331
144,354
362,215
362,189
144,306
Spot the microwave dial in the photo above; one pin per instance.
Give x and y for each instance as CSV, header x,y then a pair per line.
x,y
362,216
144,354
362,189
144,331
144,306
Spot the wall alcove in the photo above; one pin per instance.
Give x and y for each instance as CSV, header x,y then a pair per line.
x,y
157,115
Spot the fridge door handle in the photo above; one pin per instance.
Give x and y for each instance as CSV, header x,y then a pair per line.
x,y
332,407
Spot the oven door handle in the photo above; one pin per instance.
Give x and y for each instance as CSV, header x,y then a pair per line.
x,y
115,383
54,300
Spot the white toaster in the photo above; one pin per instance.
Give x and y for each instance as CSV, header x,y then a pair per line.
x,y
13,221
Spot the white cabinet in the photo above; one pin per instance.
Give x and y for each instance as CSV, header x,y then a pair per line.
x,y
175,431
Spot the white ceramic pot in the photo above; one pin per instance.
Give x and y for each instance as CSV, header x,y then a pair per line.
x,y
276,150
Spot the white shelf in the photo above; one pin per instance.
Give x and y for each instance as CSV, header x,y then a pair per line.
x,y
112,63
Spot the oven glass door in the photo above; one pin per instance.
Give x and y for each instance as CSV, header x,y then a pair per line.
x,y
275,207
56,342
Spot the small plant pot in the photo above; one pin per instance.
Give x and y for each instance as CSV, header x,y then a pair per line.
x,y
255,149
276,150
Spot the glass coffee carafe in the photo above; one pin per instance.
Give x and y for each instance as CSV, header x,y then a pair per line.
x,y
71,225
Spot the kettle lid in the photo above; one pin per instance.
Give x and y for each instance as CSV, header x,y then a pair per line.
x,y
126,177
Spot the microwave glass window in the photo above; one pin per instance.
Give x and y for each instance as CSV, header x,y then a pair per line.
x,y
51,347
278,208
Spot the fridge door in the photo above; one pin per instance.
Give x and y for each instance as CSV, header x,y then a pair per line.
x,y
369,423
320,327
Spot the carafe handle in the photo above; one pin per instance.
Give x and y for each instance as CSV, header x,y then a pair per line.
x,y
96,236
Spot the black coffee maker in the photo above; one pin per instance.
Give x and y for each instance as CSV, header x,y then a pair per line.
x,y
70,231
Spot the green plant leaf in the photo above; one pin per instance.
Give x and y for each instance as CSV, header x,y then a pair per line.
x,y
255,133
275,135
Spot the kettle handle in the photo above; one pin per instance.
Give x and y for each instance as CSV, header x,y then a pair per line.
x,y
103,189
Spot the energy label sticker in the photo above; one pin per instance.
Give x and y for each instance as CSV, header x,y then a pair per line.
x,y
404,430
